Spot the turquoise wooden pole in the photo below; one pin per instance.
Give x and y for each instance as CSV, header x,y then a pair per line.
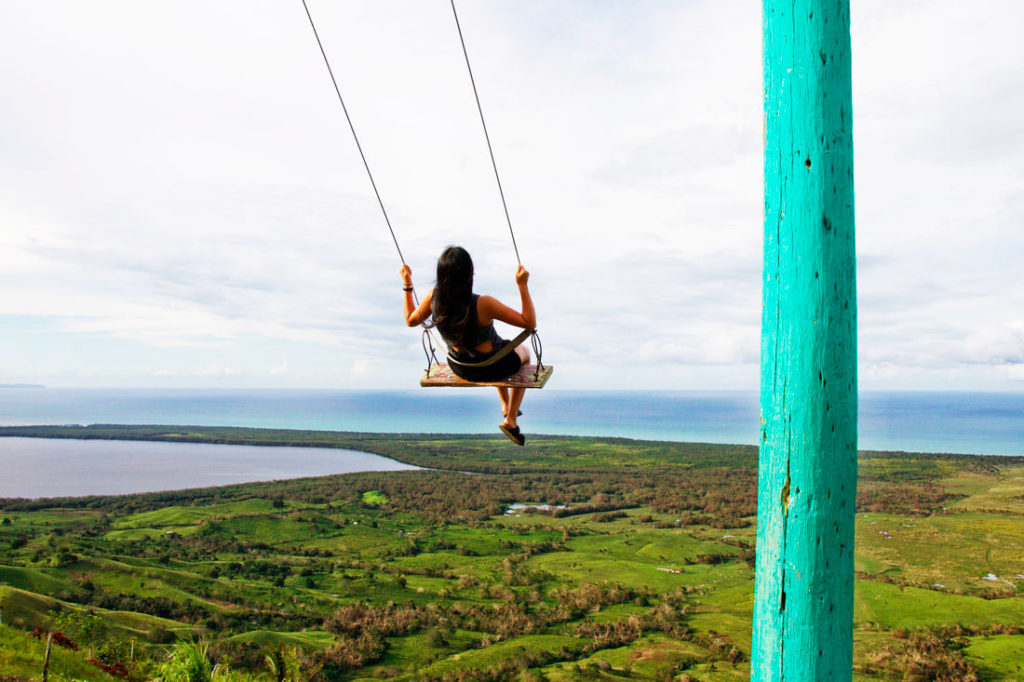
x,y
803,603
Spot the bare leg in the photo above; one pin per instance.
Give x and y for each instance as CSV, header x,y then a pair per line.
x,y
503,394
516,394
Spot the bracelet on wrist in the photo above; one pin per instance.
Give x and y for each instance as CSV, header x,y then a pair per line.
x,y
406,288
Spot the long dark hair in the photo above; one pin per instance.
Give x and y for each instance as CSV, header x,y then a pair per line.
x,y
453,297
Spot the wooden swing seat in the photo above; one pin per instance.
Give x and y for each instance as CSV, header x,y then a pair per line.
x,y
440,374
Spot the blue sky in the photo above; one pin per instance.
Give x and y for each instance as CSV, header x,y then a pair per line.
x,y
182,205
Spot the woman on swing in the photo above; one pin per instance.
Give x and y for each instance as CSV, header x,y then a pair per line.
x,y
466,321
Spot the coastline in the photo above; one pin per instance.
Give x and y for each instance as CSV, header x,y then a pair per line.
x,y
454,453
975,423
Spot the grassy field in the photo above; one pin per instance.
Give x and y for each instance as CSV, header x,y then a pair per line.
x,y
641,568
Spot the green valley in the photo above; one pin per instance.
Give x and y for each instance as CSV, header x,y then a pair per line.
x,y
569,559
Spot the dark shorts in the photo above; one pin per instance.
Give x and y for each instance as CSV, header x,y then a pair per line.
x,y
502,369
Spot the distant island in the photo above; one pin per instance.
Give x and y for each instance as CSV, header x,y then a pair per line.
x,y
22,386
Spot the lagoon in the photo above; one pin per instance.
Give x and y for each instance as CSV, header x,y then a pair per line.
x,y
43,467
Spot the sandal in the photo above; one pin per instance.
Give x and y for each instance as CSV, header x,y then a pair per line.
x,y
513,433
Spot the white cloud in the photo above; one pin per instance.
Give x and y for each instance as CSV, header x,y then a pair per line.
x,y
279,370
362,368
213,369
189,186
705,346
997,345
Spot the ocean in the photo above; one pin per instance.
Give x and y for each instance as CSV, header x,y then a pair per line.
x,y
976,423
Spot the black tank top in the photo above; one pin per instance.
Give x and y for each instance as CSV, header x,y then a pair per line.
x,y
483,333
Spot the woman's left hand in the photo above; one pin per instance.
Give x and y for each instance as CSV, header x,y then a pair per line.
x,y
406,273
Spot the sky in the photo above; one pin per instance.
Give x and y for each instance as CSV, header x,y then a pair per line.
x,y
182,203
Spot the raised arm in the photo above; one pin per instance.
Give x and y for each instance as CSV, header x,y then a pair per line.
x,y
414,314
491,308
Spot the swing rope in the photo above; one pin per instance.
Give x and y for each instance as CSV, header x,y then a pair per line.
x,y
428,337
353,129
487,137
428,341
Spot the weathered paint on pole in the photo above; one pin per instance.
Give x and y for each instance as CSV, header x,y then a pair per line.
x,y
803,605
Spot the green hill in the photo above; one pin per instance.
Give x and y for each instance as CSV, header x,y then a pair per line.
x,y
570,558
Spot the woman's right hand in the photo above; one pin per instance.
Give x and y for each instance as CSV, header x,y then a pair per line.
x,y
406,273
522,276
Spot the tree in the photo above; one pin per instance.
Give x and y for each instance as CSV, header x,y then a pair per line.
x,y
284,665
93,629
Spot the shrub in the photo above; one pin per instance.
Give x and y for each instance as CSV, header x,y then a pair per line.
x,y
59,638
187,662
